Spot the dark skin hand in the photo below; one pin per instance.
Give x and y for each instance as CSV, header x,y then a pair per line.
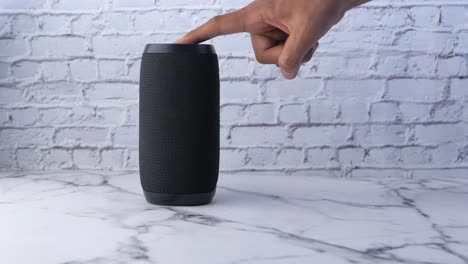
x,y
283,32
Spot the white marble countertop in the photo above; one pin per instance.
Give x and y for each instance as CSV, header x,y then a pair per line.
x,y
79,217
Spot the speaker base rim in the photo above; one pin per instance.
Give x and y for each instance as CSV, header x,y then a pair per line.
x,y
179,199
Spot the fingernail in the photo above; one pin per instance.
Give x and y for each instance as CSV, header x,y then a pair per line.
x,y
288,75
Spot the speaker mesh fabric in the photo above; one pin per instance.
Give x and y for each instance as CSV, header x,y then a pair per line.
x,y
179,122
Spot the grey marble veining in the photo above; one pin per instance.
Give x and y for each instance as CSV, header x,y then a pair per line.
x,y
79,217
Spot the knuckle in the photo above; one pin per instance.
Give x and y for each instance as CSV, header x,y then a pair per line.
x,y
287,63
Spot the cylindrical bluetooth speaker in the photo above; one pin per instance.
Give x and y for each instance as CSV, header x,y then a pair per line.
x,y
179,124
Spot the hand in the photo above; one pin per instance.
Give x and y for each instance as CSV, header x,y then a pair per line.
x,y
283,32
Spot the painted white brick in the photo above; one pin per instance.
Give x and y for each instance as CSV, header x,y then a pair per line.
x,y
28,158
425,41
231,159
323,111
391,65
111,69
81,136
425,16
112,158
56,92
24,116
133,3
133,159
22,4
415,112
113,91
10,95
54,115
326,66
24,24
54,71
445,154
453,66
459,88
380,134
321,135
118,46
462,40
133,115
56,159
422,65
25,137
258,135
454,16
234,68
57,24
422,90
385,111
79,5
180,3
234,44
415,156
25,70
261,113
448,111
260,156
126,136
6,159
85,158
440,133
290,158
320,157
231,114
4,116
345,89
354,111
383,156
12,47
293,113
117,22
296,89
84,24
83,70
58,47
351,156
134,70
238,91
4,70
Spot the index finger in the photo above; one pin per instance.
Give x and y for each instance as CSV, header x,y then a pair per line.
x,y
219,25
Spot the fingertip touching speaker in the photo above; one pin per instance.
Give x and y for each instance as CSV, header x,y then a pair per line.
x,y
179,124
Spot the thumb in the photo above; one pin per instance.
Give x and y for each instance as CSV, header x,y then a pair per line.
x,y
294,50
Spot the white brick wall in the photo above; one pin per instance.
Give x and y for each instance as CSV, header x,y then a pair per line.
x,y
386,93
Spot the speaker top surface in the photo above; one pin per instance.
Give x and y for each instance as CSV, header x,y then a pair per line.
x,y
180,48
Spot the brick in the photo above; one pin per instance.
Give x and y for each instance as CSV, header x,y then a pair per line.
x,y
79,5
323,111
118,46
261,113
293,113
85,158
28,158
459,88
448,111
112,116
4,116
320,157
232,114
326,66
133,3
54,115
422,90
134,70
415,112
387,156
380,134
113,91
391,66
23,25
354,111
112,158
25,70
57,92
234,68
234,44
385,111
440,133
58,47
351,156
25,137
454,16
111,69
238,91
260,156
118,22
453,66
425,16
290,158
56,159
23,4
345,89
415,156
231,159
423,65
84,24
181,3
54,71
133,159
462,39
133,115
83,70
6,159
126,136
295,89
10,95
258,135
426,41
24,116
321,136
12,47
81,136
4,70
57,24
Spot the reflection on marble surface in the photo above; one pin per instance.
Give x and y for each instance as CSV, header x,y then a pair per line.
x,y
79,217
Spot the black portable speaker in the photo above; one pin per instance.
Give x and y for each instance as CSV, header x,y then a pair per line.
x,y
179,124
